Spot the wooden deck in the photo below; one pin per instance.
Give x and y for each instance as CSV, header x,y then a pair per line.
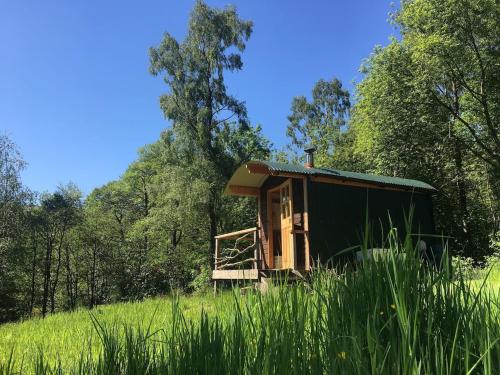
x,y
249,274
232,267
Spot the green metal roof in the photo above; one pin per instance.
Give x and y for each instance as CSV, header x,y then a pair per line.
x,y
345,175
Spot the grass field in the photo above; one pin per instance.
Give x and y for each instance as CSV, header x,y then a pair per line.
x,y
391,316
64,336
492,277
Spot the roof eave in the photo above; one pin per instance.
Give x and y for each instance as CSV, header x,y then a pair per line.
x,y
249,177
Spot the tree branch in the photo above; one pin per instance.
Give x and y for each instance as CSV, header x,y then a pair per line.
x,y
467,125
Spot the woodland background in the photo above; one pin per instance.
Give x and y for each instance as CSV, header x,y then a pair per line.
x,y
428,108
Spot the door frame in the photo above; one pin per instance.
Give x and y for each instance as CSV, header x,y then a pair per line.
x,y
293,255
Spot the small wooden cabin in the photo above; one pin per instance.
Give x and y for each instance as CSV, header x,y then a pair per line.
x,y
308,214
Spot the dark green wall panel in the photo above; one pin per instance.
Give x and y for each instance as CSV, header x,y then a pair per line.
x,y
338,214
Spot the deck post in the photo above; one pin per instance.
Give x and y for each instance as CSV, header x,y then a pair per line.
x,y
216,252
256,249
215,265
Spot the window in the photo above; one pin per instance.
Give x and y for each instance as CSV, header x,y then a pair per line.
x,y
285,202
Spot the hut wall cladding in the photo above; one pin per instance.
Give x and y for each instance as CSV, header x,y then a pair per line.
x,y
298,197
337,216
298,210
271,182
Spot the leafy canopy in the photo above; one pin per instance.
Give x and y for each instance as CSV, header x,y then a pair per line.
x,y
319,122
198,103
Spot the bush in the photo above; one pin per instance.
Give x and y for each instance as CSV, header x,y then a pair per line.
x,y
464,268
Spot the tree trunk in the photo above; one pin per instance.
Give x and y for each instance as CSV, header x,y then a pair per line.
x,y
212,218
93,276
144,255
463,202
46,276
70,281
466,235
119,220
88,278
56,281
33,275
175,237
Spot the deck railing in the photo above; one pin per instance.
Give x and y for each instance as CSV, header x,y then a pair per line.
x,y
236,257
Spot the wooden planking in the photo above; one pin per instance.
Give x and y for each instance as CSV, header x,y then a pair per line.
x,y
270,240
306,223
337,181
258,168
244,190
287,237
251,274
265,212
256,251
255,168
232,235
291,237
270,223
263,232
259,244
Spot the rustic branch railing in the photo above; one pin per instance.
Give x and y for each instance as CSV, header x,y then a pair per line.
x,y
232,257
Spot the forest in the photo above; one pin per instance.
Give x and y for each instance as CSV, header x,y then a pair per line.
x,y
427,108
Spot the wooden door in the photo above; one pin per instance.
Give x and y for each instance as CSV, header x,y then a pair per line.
x,y
286,216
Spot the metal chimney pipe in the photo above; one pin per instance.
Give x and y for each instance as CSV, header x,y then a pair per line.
x,y
309,150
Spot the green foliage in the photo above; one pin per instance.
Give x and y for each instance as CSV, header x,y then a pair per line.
x,y
320,121
427,108
210,132
56,214
13,223
465,267
209,126
198,103
151,231
495,243
450,45
202,280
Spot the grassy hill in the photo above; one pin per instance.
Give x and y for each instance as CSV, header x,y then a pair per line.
x,y
391,316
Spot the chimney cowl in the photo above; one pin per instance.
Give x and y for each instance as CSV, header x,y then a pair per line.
x,y
309,150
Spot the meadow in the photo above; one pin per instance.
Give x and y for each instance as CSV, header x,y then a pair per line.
x,y
63,336
390,316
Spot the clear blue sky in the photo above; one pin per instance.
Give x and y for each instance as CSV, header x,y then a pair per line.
x,y
77,98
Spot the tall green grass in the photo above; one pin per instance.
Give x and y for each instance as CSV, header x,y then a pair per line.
x,y
63,336
390,316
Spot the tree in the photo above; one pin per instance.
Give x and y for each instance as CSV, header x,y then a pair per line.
x,y
13,195
109,251
13,227
427,109
179,192
321,121
453,45
58,213
198,103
